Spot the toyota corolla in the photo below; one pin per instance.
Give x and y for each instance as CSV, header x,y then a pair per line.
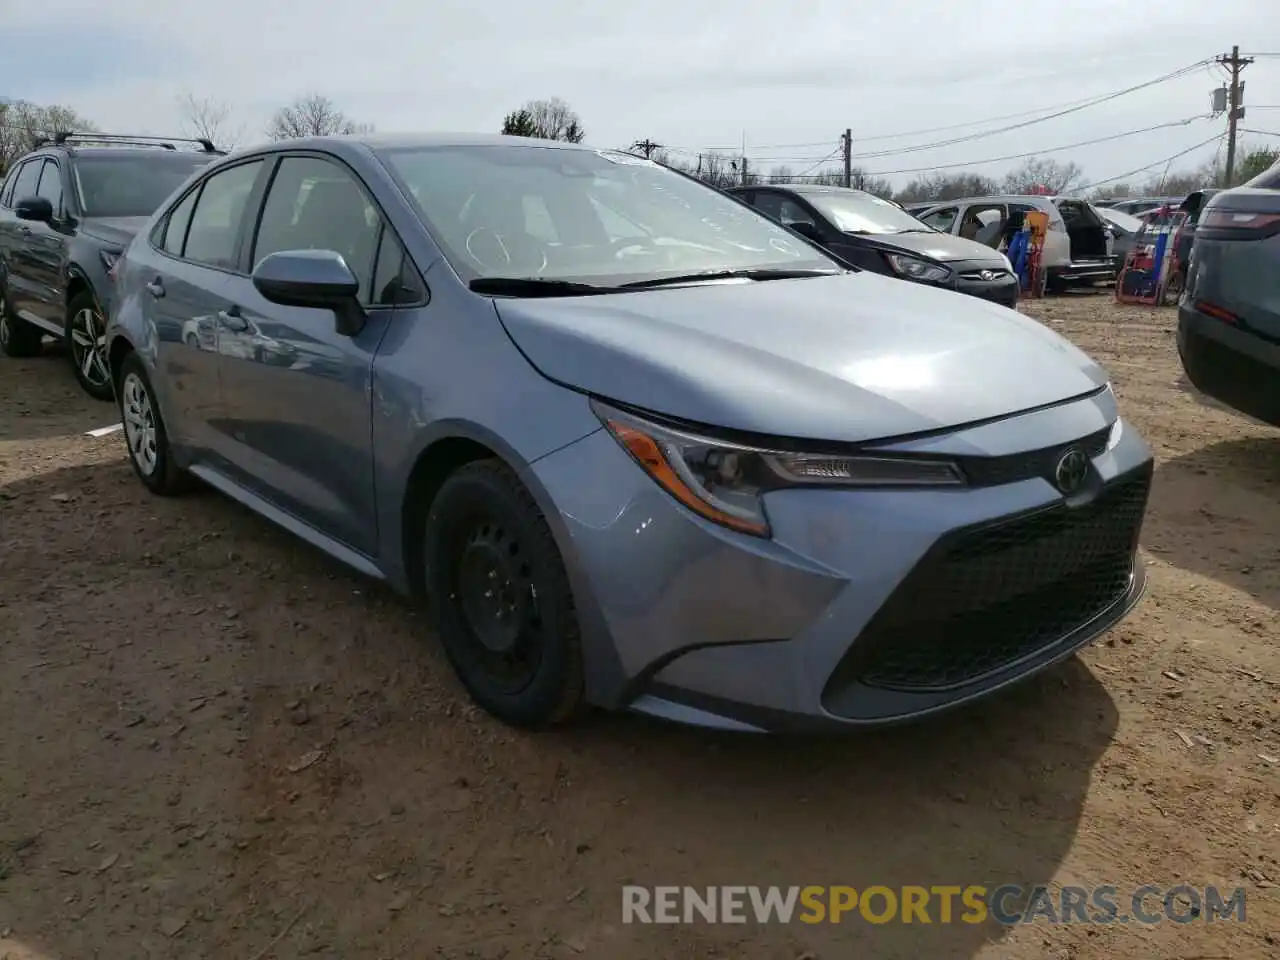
x,y
635,445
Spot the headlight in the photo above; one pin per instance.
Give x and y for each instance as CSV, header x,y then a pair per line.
x,y
726,482
914,269
1008,264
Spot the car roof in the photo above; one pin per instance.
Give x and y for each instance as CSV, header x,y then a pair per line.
x,y
394,141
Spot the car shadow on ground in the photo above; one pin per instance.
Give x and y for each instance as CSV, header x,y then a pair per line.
x,y
451,806
1218,506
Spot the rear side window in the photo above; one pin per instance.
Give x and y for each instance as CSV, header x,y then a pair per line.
x,y
51,186
175,230
28,180
219,212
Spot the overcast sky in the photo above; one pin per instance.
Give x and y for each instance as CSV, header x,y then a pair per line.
x,y
692,75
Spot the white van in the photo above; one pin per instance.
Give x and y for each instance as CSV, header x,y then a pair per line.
x,y
1078,249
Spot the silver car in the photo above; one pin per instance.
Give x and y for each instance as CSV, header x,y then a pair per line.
x,y
635,444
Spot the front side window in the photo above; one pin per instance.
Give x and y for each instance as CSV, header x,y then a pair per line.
x,y
315,204
783,209
614,218
28,180
132,183
941,219
214,231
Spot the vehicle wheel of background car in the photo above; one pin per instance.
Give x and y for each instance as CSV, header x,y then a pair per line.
x,y
87,346
145,433
501,599
17,337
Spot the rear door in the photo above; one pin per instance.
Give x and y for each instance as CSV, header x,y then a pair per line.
x,y
187,271
48,250
298,393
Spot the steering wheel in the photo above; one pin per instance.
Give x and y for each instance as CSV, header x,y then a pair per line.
x,y
512,252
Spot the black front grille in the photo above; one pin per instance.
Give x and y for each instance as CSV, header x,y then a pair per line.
x,y
988,596
992,471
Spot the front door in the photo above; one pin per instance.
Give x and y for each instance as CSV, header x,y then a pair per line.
x,y
297,394
23,249
47,247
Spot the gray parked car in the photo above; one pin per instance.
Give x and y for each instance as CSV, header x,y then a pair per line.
x,y
1229,316
638,446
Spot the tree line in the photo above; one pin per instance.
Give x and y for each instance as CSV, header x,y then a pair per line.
x,y
314,114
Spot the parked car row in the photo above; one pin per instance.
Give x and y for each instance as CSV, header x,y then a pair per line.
x,y
67,210
629,437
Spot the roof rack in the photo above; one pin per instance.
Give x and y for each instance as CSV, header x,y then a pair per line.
x,y
66,137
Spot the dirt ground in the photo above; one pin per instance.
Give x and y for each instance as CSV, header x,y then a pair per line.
x,y
216,743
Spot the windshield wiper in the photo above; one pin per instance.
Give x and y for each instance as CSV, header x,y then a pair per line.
x,y
535,287
751,274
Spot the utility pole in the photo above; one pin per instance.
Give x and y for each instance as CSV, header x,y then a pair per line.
x,y
846,144
1235,111
647,145
744,169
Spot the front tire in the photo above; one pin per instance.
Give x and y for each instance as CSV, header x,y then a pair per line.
x,y
145,434
87,343
500,598
17,337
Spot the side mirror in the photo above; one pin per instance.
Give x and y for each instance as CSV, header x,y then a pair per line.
x,y
313,278
37,209
807,230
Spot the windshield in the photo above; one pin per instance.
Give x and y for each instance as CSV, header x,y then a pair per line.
x,y
132,185
856,212
603,218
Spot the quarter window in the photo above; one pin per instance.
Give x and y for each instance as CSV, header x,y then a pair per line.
x,y
219,212
175,230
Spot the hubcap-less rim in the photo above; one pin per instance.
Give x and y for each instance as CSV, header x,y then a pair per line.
x,y
494,593
139,423
88,346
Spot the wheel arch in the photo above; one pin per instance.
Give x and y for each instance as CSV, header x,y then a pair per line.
x,y
443,448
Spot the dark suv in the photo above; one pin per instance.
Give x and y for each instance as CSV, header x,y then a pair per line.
x,y
67,209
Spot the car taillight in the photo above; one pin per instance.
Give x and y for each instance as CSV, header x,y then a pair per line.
x,y
1238,220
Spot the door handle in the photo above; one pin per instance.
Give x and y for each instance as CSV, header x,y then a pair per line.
x,y
156,288
232,320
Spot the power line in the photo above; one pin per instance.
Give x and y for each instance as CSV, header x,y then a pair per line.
x,y
1060,110
1261,133
1037,153
1157,163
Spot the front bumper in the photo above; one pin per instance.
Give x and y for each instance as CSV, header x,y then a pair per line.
x,y
1003,290
1232,365
866,607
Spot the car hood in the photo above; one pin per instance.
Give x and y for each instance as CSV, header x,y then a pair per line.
x,y
939,246
117,230
848,358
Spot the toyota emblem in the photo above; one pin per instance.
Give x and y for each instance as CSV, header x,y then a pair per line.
x,y
1069,475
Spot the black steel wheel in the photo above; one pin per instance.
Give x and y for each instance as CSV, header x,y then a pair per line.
x,y
501,599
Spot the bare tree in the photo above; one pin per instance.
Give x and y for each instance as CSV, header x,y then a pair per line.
x,y
209,119
312,115
1042,173
22,123
947,186
546,119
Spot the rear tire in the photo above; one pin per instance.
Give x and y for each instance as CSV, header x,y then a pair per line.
x,y
87,346
17,337
500,598
145,434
